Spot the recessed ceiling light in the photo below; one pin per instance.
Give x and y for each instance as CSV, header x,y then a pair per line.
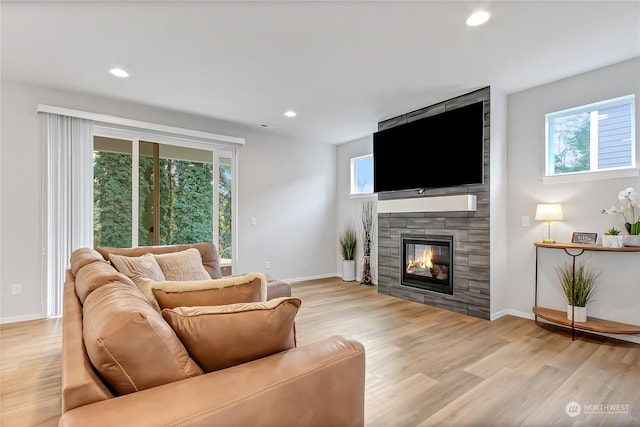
x,y
478,18
119,72
290,113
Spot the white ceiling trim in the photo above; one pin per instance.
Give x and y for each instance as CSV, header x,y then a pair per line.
x,y
121,121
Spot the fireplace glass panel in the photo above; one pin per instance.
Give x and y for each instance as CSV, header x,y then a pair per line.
x,y
426,263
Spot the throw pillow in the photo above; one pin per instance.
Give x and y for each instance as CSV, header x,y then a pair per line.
x,y
129,343
136,268
222,336
143,270
182,265
246,288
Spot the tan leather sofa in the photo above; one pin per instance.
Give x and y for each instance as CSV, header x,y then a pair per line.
x,y
319,384
275,288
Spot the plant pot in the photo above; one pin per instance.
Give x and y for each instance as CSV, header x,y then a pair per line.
x,y
631,240
609,241
581,313
348,270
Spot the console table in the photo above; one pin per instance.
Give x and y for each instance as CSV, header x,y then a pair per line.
x,y
592,324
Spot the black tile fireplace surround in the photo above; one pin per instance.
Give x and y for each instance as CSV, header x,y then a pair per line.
x,y
469,268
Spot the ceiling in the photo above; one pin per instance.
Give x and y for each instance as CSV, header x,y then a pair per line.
x,y
342,66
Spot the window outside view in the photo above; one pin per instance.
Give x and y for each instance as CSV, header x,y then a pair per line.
x,y
591,138
362,175
224,214
183,198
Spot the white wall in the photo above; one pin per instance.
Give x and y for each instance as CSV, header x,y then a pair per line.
x,y
498,182
289,186
619,296
349,208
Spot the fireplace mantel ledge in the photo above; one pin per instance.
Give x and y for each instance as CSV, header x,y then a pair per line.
x,y
457,203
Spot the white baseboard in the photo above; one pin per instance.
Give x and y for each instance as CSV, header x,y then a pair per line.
x,y
512,312
22,318
319,276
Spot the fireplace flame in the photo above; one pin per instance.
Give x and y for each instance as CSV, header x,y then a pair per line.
x,y
421,263
426,258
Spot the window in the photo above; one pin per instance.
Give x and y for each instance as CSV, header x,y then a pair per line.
x,y
161,193
362,175
591,138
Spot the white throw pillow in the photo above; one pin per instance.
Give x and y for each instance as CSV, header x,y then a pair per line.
x,y
183,265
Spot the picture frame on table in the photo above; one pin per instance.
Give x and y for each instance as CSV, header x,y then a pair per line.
x,y
584,238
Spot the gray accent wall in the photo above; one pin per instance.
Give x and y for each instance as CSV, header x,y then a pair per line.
x,y
470,230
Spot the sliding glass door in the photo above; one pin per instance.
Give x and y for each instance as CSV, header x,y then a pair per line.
x,y
153,192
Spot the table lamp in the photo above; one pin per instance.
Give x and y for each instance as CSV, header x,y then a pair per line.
x,y
549,212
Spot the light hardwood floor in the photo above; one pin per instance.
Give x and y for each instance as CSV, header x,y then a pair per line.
x,y
425,366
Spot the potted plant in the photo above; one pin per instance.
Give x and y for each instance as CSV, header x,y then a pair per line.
x,y
579,288
629,200
347,240
612,238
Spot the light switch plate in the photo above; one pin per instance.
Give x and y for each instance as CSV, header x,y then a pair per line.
x,y
524,221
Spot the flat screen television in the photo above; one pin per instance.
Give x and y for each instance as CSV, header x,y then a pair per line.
x,y
444,150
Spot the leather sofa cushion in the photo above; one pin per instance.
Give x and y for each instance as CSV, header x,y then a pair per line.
x,y
95,275
83,256
183,265
231,290
222,336
129,343
208,251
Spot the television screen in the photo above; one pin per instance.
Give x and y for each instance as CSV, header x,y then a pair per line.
x,y
444,150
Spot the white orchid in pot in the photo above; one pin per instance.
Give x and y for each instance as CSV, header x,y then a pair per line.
x,y
630,205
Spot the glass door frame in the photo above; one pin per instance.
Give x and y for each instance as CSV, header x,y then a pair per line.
x,y
136,136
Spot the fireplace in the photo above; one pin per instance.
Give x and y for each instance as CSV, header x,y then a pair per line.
x,y
427,262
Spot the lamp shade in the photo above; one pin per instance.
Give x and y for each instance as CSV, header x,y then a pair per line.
x,y
549,212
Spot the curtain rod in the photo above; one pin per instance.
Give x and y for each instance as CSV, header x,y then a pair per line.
x,y
104,118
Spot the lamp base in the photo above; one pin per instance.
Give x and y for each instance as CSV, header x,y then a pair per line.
x,y
548,241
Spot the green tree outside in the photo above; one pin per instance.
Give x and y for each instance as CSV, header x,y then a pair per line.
x,y
573,147
192,205
186,202
112,199
224,215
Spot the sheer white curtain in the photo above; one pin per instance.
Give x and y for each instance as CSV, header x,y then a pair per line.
x,y
68,198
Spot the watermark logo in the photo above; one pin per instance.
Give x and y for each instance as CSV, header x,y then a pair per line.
x,y
609,408
573,409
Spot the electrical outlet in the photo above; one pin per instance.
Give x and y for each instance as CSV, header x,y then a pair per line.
x,y
267,264
16,289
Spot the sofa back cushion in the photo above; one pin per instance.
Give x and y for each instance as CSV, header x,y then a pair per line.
x,y
129,343
83,256
218,337
95,275
208,252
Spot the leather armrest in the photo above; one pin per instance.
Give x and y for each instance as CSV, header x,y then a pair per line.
x,y
319,384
